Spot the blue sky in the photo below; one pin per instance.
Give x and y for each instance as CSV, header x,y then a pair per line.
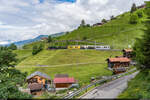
x,y
25,19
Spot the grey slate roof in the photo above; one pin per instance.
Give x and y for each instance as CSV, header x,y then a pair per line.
x,y
37,73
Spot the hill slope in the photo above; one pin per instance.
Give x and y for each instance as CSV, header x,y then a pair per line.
x,y
118,33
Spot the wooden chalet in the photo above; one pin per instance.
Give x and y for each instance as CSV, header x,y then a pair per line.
x,y
118,62
63,82
39,81
127,53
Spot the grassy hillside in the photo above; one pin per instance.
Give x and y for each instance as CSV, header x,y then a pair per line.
x,y
118,33
139,87
58,57
82,72
22,54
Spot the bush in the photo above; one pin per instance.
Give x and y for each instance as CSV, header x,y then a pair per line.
x,y
140,14
36,49
134,19
13,47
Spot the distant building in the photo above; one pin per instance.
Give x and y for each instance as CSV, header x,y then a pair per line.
x,y
98,24
142,6
127,53
44,38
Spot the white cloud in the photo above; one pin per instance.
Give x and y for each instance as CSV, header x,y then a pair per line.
x,y
26,19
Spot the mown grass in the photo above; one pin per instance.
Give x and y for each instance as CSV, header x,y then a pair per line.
x,y
22,54
139,87
58,57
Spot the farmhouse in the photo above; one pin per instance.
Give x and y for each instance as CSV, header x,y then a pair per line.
x,y
118,62
38,81
63,82
127,53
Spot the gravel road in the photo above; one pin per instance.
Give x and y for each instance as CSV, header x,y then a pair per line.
x,y
110,90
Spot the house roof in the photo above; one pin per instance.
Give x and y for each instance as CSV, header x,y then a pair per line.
x,y
64,80
61,75
123,59
37,73
128,50
35,86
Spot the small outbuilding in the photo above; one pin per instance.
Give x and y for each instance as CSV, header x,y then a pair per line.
x,y
127,53
63,82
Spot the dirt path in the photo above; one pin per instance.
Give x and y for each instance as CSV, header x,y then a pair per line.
x,y
110,90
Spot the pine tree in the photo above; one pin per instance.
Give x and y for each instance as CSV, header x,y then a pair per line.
x,y
13,47
49,39
133,8
82,23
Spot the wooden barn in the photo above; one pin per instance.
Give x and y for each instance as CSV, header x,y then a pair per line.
x,y
127,53
36,80
63,82
118,62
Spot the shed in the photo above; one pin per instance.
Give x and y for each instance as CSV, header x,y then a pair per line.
x,y
64,82
127,53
